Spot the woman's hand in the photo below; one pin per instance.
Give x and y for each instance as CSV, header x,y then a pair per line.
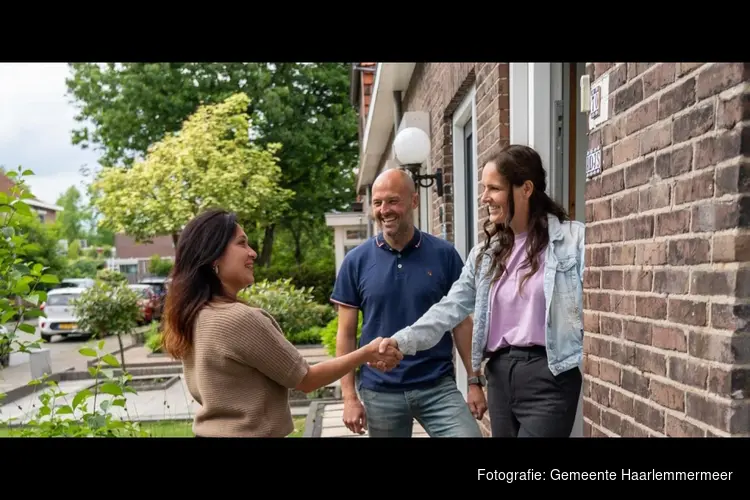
x,y
386,360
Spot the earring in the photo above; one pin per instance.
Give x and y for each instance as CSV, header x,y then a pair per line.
x,y
216,270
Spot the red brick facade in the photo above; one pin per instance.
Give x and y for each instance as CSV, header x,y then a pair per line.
x,y
439,88
666,285
45,214
127,248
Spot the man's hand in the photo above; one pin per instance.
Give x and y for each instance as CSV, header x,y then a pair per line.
x,y
477,402
387,345
354,415
384,357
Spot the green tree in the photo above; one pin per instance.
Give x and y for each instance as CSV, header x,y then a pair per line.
x,y
303,106
74,220
211,162
108,308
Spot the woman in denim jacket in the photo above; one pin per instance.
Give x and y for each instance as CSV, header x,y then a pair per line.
x,y
525,291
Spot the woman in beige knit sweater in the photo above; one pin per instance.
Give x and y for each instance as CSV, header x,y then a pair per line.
x,y
237,363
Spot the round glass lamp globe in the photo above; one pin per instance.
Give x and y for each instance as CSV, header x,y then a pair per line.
x,y
411,145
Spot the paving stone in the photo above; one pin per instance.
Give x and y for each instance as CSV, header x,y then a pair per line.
x,y
332,422
335,432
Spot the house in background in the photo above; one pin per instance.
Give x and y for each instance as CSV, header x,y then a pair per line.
x,y
132,258
46,212
652,157
350,230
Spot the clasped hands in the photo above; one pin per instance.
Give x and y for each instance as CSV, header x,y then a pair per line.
x,y
384,354
389,347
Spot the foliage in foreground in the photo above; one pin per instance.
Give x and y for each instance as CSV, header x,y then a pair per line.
x,y
88,412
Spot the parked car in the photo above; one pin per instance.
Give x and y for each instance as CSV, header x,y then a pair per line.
x,y
149,301
159,284
61,319
75,283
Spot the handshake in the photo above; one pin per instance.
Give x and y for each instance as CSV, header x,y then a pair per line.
x,y
383,354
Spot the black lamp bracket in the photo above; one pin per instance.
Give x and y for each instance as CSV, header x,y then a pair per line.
x,y
426,180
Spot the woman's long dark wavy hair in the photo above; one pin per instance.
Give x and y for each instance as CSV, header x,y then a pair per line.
x,y
518,164
194,282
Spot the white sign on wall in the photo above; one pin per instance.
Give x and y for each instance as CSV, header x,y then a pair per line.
x,y
599,106
593,162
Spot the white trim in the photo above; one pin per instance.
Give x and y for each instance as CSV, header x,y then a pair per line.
x,y
40,204
531,110
518,77
337,219
341,222
466,111
389,77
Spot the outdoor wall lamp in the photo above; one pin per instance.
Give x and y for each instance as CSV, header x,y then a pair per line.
x,y
412,148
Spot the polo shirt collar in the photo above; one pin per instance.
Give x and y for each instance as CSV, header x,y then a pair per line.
x,y
414,243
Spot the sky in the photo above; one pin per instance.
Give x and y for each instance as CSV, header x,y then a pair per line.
x,y
36,121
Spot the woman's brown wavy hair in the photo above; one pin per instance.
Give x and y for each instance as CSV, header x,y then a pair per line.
x,y
518,164
194,283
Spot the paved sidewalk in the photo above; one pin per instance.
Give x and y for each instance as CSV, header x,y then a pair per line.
x,y
64,355
332,425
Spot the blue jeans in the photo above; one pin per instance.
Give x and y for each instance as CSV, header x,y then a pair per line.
x,y
440,409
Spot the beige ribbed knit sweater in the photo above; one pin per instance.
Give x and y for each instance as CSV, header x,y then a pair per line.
x,y
240,371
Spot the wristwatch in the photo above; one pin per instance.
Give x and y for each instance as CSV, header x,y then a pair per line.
x,y
481,381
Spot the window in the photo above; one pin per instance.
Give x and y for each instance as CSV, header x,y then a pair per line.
x,y
129,268
470,185
465,175
356,234
465,181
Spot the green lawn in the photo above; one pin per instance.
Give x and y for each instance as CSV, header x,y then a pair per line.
x,y
167,428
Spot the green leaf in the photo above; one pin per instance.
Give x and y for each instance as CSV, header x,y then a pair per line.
x,y
48,278
65,410
119,402
104,405
81,396
7,315
111,388
25,327
87,351
110,360
100,345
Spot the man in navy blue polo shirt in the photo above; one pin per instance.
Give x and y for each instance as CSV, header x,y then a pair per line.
x,y
394,278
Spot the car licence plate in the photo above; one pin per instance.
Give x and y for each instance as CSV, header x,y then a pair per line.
x,y
67,326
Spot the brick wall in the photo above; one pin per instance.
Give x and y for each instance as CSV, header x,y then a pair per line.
x,y
667,281
440,88
127,248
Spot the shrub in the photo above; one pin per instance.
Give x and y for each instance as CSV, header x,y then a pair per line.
x,y
309,336
154,338
329,332
108,308
293,308
319,280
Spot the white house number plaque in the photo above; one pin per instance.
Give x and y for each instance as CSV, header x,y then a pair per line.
x,y
593,162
